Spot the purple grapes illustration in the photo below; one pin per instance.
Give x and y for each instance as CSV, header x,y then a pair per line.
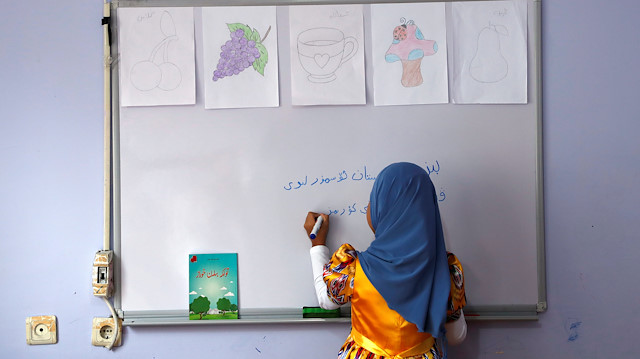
x,y
244,49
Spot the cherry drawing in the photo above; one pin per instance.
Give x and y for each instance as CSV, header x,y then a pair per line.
x,y
158,71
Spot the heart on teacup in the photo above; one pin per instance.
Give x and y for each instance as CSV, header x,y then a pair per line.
x,y
321,59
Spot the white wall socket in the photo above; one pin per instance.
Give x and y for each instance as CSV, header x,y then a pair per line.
x,y
42,329
103,330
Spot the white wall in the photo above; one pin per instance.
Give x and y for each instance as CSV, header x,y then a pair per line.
x,y
51,196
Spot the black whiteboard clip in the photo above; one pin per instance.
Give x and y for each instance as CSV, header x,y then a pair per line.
x,y
106,19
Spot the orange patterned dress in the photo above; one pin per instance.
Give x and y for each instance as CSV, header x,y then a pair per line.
x,y
377,331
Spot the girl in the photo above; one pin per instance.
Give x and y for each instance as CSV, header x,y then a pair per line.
x,y
405,286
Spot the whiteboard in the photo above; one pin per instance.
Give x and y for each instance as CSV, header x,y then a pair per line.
x,y
190,180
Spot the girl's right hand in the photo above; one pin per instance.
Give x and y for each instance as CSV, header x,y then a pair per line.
x,y
310,221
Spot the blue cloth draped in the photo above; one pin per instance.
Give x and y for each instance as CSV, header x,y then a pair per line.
x,y
407,260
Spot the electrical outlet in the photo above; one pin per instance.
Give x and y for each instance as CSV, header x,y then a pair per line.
x,y
42,329
103,331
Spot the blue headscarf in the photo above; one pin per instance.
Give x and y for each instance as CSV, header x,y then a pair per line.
x,y
407,260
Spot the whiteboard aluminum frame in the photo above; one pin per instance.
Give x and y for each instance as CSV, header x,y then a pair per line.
x,y
255,316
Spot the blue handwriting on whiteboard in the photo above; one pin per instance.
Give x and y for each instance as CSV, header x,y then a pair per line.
x,y
348,210
434,168
344,176
358,175
355,208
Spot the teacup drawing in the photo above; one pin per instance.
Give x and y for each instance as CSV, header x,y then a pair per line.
x,y
322,50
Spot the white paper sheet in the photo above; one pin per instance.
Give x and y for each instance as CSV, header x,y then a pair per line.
x,y
231,81
489,53
157,65
409,54
327,55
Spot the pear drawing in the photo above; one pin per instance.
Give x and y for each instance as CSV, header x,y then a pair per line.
x,y
488,64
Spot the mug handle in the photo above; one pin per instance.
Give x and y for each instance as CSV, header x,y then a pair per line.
x,y
349,41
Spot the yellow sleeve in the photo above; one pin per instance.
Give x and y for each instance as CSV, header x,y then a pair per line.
x,y
457,295
338,274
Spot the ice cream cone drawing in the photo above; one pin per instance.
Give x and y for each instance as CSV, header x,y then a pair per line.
x,y
409,47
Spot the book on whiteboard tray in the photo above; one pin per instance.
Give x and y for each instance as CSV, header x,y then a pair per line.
x,y
213,286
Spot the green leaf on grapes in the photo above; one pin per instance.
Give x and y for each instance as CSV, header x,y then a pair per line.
x,y
261,61
237,25
255,36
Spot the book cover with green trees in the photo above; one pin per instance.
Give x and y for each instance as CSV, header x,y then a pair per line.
x,y
213,286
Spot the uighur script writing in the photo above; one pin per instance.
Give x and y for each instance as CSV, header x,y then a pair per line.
x,y
355,208
209,274
346,176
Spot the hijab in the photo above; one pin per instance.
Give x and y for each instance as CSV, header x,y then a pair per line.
x,y
407,260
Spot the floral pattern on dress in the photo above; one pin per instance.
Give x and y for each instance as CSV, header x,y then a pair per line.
x,y
339,276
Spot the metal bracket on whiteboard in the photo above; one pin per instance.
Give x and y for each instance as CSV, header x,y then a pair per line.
x,y
542,307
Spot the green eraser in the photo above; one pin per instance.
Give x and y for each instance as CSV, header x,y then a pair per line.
x,y
317,312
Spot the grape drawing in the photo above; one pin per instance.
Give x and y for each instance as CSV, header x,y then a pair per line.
x,y
244,49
